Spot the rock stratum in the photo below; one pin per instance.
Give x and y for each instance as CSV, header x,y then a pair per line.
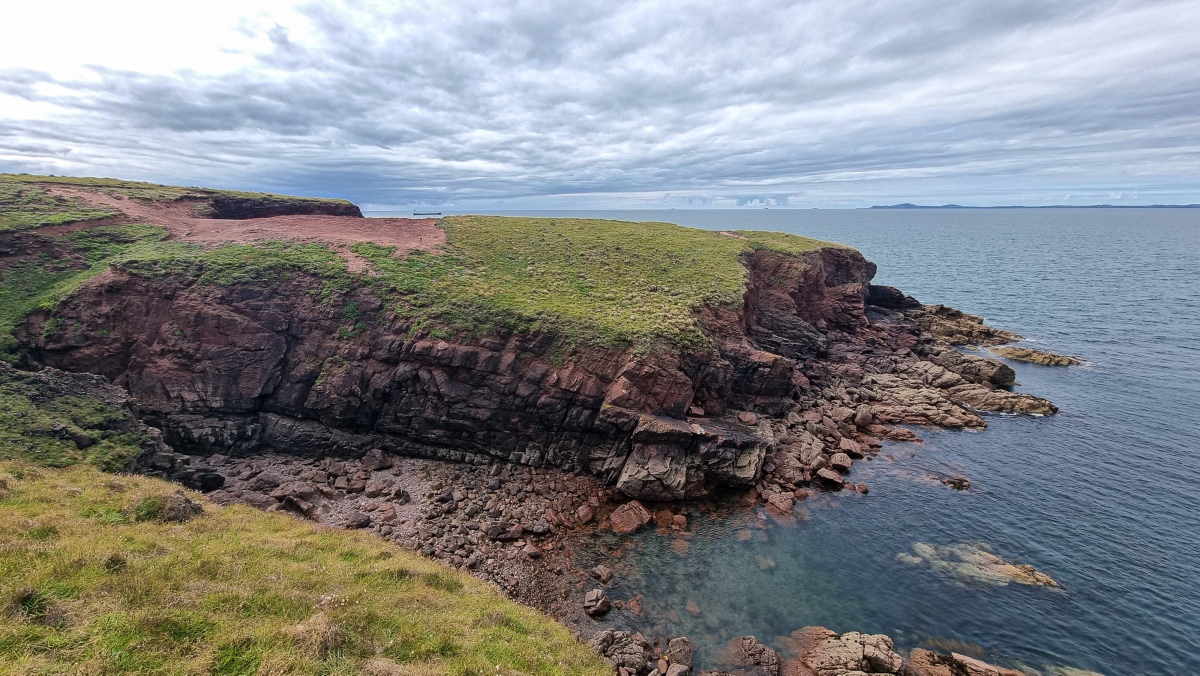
x,y
802,376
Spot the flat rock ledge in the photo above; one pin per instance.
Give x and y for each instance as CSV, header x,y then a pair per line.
x,y
1032,356
812,651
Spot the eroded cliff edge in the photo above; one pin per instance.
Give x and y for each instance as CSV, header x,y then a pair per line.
x,y
805,374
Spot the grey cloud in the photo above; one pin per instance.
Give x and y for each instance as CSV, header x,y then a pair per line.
x,y
704,103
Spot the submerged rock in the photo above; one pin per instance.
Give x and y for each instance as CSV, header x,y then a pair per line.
x,y
927,663
974,562
1035,356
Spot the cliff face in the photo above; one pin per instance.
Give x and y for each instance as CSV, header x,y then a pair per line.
x,y
268,366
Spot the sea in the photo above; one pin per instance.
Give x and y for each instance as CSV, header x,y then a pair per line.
x,y
1104,496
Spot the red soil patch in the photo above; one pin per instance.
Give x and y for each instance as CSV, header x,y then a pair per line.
x,y
406,234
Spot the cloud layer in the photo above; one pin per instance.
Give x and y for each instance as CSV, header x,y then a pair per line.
x,y
555,104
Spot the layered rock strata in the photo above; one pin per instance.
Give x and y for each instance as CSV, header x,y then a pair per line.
x,y
806,375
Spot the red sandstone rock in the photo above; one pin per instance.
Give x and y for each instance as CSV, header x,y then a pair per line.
x,y
629,518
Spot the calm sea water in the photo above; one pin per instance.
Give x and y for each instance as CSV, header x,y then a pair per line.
x,y
1102,496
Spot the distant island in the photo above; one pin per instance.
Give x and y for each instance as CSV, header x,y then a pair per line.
x,y
908,205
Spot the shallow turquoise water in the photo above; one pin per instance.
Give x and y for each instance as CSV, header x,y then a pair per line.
x,y
1102,496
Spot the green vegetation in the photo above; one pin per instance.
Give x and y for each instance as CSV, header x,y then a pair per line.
x,y
595,282
25,202
237,591
589,282
58,423
24,206
586,282
41,280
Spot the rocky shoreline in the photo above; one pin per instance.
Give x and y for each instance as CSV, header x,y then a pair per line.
x,y
498,452
519,526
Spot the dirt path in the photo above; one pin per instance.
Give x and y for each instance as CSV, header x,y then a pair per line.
x,y
406,234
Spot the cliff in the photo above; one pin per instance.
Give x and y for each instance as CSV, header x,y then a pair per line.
x,y
665,360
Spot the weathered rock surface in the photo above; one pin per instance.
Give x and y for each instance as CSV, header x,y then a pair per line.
x,y
623,650
821,652
975,562
817,651
748,656
925,663
629,518
261,367
596,603
1032,356
959,328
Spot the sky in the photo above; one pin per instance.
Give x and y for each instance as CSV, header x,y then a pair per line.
x,y
575,104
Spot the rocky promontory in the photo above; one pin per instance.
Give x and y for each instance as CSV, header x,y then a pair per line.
x,y
483,389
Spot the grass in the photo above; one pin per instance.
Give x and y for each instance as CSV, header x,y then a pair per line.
x,y
25,205
40,281
237,591
58,423
587,282
131,189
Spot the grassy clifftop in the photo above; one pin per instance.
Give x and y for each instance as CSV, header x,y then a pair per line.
x,y
92,582
27,200
588,282
585,281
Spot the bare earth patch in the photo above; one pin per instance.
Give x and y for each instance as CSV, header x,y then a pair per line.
x,y
181,220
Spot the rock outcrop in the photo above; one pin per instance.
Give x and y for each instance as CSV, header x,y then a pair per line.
x,y
804,371
975,562
1032,356
821,652
817,651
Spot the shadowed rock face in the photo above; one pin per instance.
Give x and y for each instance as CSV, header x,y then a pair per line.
x,y
262,367
264,206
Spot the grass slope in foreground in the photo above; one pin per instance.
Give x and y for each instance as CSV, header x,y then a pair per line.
x,y
90,582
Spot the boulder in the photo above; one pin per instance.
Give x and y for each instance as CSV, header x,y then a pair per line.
x,y
601,573
749,656
831,477
675,459
585,514
780,502
841,462
629,518
680,651
596,603
825,653
179,508
375,459
623,649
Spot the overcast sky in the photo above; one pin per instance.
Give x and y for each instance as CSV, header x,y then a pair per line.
x,y
614,104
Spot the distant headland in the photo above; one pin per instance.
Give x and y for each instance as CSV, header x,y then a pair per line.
x,y
908,205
